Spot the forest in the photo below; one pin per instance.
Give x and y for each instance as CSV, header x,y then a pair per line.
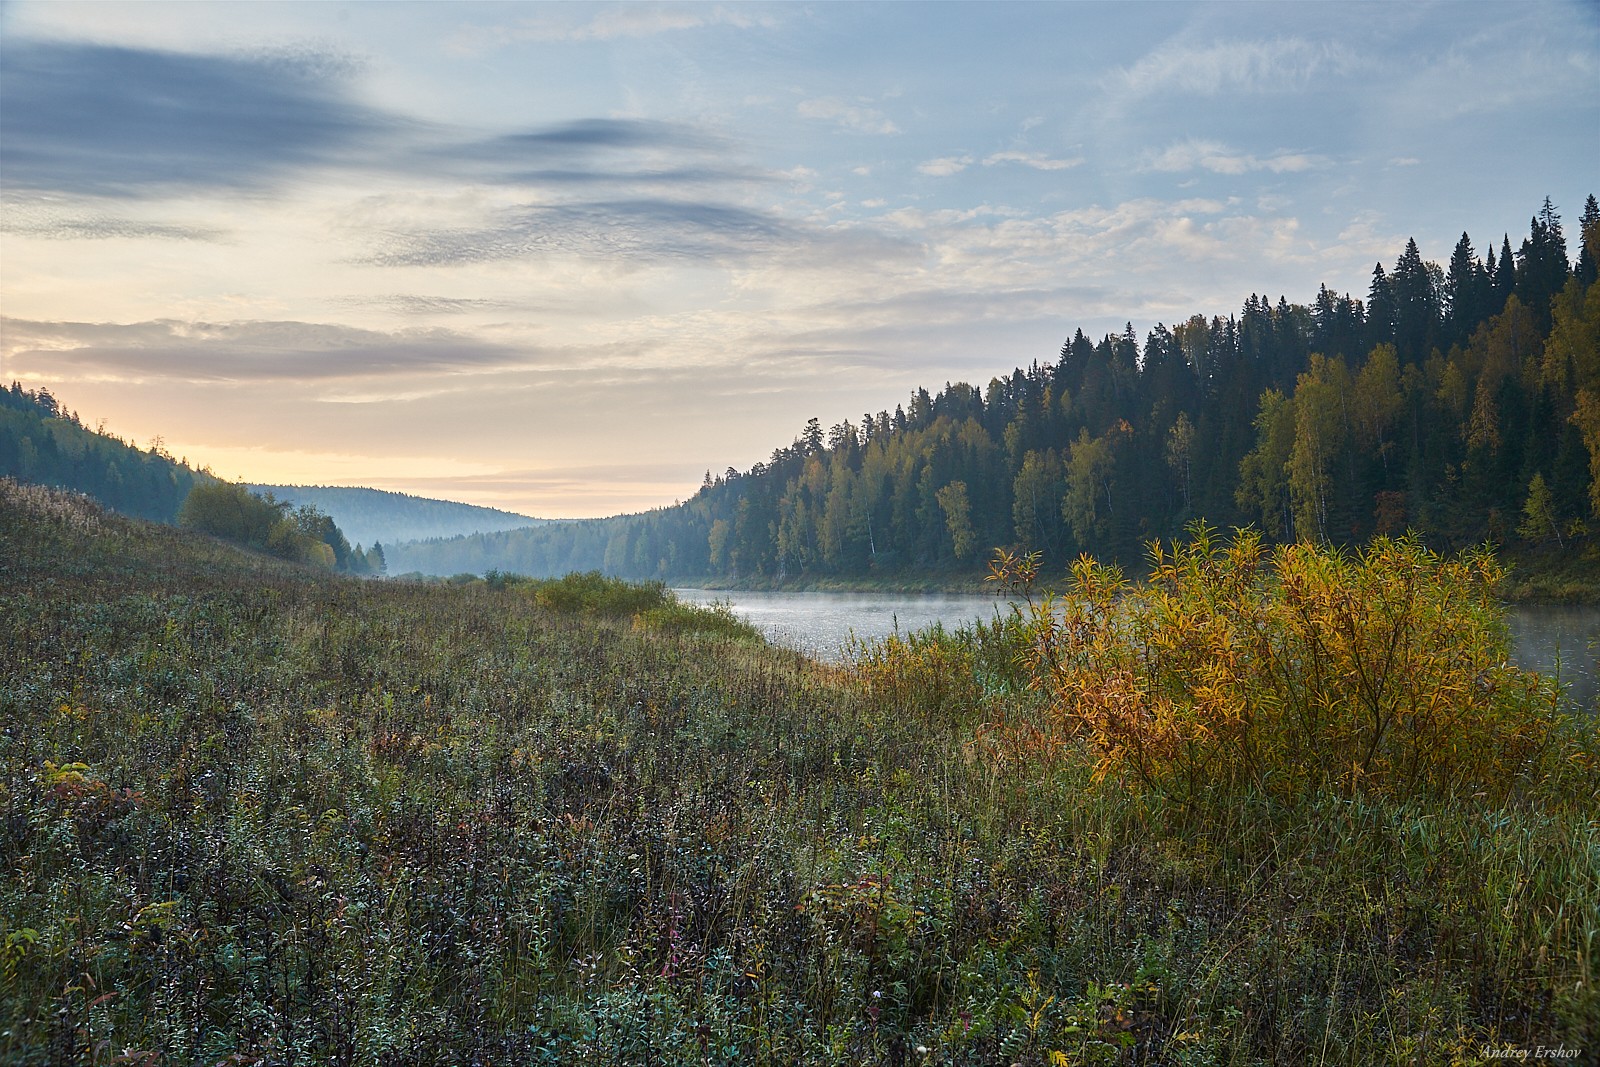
x,y
44,444
1459,402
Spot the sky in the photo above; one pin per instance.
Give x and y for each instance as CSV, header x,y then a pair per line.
x,y
563,259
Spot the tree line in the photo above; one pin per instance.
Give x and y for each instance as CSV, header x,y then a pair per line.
x,y
304,534
44,444
1461,402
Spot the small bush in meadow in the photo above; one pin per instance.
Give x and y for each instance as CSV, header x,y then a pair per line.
x,y
676,617
592,593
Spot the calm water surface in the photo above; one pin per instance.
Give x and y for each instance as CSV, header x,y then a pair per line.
x,y
1562,641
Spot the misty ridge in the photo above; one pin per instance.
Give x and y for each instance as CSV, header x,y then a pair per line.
x,y
369,515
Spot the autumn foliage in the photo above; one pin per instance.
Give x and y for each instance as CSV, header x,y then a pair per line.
x,y
1303,669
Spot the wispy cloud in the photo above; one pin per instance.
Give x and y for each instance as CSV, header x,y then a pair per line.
x,y
632,230
1036,160
416,304
1220,159
608,24
856,118
945,166
634,155
586,134
168,349
1249,66
92,120
33,220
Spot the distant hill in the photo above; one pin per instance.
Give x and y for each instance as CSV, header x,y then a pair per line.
x,y
368,515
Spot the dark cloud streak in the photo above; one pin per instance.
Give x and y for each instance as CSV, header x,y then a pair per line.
x,y
595,152
673,176
101,120
589,134
112,121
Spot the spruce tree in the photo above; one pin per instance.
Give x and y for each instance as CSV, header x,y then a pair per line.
x,y
1588,238
1461,292
1380,309
1505,280
1414,305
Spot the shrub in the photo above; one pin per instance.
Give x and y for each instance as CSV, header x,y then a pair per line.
x,y
233,513
942,675
1382,671
676,617
592,593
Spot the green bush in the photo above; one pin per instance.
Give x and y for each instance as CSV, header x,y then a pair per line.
x,y
592,593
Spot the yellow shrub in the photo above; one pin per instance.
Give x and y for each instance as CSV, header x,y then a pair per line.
x,y
1384,670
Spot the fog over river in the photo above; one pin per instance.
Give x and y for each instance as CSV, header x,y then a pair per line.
x,y
1553,639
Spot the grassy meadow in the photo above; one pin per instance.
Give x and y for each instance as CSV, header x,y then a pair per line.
x,y
251,813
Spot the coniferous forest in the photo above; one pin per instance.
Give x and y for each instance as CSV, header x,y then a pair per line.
x,y
44,444
1460,402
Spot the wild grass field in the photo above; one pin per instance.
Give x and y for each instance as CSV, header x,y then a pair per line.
x,y
256,814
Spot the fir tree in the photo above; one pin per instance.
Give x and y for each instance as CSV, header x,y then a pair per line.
x,y
1588,240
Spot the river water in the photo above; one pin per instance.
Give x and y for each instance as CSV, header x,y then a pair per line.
x,y
1553,639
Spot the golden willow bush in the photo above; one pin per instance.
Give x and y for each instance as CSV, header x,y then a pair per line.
x,y
1288,672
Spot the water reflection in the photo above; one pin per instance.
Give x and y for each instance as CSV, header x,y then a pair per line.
x,y
1557,640
1561,641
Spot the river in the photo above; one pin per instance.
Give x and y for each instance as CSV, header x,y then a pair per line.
x,y
1554,639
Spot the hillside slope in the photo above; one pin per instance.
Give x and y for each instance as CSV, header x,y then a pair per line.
x,y
375,515
43,444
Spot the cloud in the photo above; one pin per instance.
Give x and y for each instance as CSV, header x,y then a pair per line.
x,y
632,229
120,122
413,304
104,121
608,24
588,134
1219,159
590,152
945,166
31,221
1036,160
168,349
1245,66
852,117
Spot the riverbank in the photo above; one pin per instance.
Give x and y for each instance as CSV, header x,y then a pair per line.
x,y
1547,577
1534,578
904,583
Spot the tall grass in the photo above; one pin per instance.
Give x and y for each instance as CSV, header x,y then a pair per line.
x,y
253,814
